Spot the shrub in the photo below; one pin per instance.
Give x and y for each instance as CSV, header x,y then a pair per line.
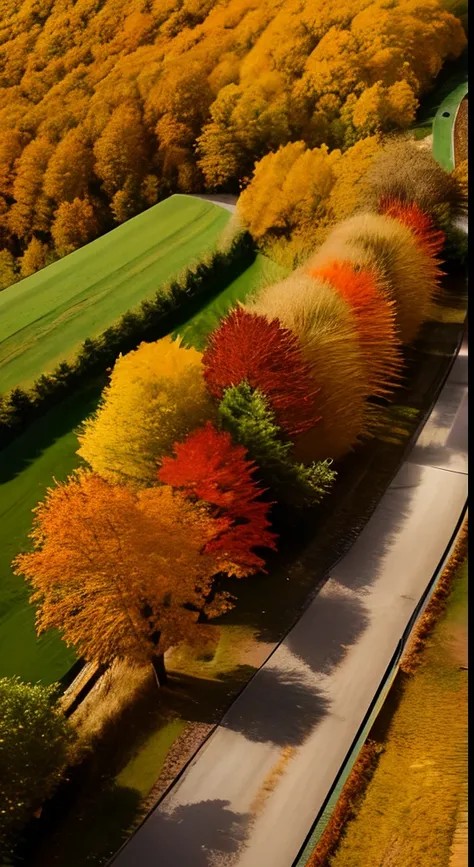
x,y
405,172
208,467
247,415
265,354
155,397
407,274
376,323
35,739
327,331
431,239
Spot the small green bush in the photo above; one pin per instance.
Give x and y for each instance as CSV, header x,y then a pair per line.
x,y
246,414
35,740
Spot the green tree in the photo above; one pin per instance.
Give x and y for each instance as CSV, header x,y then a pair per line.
x,y
35,740
246,414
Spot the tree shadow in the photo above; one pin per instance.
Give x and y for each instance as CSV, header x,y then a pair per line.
x,y
192,835
46,430
326,631
197,699
279,707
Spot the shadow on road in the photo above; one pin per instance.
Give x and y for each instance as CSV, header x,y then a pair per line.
x,y
194,835
281,707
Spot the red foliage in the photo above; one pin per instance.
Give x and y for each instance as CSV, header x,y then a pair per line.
x,y
247,346
431,239
208,466
376,321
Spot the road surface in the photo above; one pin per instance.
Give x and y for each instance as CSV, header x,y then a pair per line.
x,y
250,796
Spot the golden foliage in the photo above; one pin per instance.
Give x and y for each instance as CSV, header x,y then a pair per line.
x,y
156,397
406,272
327,331
75,223
123,575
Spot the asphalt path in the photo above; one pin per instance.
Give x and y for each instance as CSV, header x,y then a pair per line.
x,y
250,796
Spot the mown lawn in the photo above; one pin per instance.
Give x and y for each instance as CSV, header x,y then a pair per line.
x,y
45,318
409,813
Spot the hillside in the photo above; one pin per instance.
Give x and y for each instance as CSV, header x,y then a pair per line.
x,y
106,108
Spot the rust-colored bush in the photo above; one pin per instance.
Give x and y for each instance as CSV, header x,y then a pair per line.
x,y
347,804
267,356
405,172
421,224
406,272
375,320
327,331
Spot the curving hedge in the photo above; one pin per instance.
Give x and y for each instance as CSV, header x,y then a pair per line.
x,y
172,304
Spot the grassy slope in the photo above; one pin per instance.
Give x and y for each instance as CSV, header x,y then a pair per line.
x,y
409,812
45,318
27,467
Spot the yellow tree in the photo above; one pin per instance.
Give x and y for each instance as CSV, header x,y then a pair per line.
x,y
122,575
70,169
75,224
121,150
156,397
28,186
8,269
36,256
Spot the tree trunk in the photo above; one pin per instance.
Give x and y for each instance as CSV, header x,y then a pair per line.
x,y
158,663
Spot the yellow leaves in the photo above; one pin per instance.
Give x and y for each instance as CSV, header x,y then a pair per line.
x,y
156,396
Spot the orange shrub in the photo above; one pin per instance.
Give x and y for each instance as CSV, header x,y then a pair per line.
x,y
407,274
376,323
421,224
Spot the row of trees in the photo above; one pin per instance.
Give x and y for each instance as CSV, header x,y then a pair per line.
x,y
187,452
106,108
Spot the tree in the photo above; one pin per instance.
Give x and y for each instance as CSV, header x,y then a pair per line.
x,y
70,169
8,269
156,396
28,188
267,355
376,321
75,224
248,417
121,151
35,739
122,574
36,256
207,466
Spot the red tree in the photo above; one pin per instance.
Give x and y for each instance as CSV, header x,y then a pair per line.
x,y
247,346
431,239
208,466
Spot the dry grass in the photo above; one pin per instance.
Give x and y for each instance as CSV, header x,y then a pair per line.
x,y
407,274
409,812
327,330
404,171
113,694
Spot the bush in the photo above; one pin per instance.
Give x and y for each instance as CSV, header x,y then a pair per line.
x,y
327,332
405,172
35,739
376,322
247,415
406,272
153,319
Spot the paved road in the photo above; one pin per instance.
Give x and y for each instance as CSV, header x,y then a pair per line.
x,y
225,200
246,800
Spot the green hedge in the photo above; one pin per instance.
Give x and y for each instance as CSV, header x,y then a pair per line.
x,y
174,303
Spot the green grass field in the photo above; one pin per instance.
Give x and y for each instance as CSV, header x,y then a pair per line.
x,y
45,318
45,450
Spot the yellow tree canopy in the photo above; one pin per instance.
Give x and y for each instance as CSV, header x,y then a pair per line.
x,y
156,396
